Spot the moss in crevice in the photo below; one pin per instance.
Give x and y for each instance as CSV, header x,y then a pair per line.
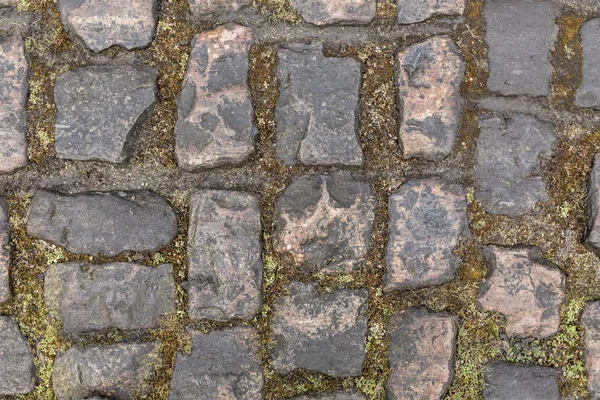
x,y
278,11
470,38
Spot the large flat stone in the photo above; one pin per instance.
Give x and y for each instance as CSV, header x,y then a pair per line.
x,y
316,111
214,115
320,332
590,318
328,12
520,35
17,372
223,364
593,202
429,75
508,175
104,23
323,223
337,395
122,371
224,251
204,7
525,288
117,295
411,11
13,97
98,107
588,93
4,253
506,381
102,223
426,219
422,347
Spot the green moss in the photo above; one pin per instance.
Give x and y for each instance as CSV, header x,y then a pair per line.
x,y
278,11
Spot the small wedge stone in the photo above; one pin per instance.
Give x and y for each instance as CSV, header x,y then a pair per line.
x,y
17,372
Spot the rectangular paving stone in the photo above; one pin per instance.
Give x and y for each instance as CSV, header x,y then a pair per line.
x,y
4,253
590,318
204,7
224,250
223,364
328,12
17,371
411,11
116,295
214,115
506,381
588,93
593,204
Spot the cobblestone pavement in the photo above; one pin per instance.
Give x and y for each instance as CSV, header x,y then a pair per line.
x,y
299,199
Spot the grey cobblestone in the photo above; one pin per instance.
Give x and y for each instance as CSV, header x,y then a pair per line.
x,y
17,372
411,11
327,12
517,381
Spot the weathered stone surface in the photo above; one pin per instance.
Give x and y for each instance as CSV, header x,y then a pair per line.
x,y
98,107
429,77
520,35
13,96
117,295
411,11
122,371
17,372
214,125
203,7
328,12
324,222
224,251
338,395
508,177
426,219
506,381
593,201
7,3
102,223
591,322
4,253
223,364
104,23
588,93
320,332
422,347
317,108
525,288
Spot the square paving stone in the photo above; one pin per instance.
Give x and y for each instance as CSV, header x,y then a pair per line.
x,y
590,318
322,332
324,222
506,381
316,111
204,7
422,347
98,110
593,202
4,253
104,23
328,12
224,250
411,11
17,372
520,35
223,364
214,113
588,93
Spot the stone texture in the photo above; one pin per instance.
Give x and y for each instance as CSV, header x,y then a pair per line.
x,y
17,372
422,347
328,12
508,177
8,3
117,295
102,223
337,395
316,111
320,332
429,75
98,108
593,202
122,371
224,250
588,93
323,222
13,97
411,11
204,7
426,219
506,381
525,288
4,253
104,23
520,36
214,125
590,319
223,364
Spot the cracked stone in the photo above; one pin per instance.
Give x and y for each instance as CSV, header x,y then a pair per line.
x,y
17,372
122,371
316,111
422,348
104,23
223,364
4,253
324,222
588,93
590,319
116,295
98,109
520,35
321,332
593,202
506,381
429,77
328,12
527,289
103,223
204,7
426,219
411,11
508,175
348,394
13,96
214,115
224,250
